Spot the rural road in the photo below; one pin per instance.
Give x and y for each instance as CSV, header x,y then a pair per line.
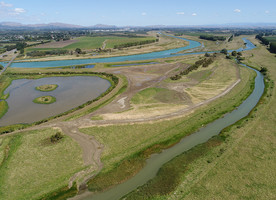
x,y
5,67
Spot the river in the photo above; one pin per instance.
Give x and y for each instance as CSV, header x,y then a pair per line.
x,y
204,134
156,161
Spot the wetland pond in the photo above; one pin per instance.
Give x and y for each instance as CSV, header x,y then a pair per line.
x,y
71,92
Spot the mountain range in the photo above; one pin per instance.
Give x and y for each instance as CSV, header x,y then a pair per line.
x,y
15,25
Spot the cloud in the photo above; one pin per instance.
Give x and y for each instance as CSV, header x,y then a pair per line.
x,y
194,14
19,10
3,4
237,10
143,14
267,12
180,13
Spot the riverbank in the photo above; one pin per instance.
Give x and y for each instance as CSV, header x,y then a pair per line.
x,y
239,160
174,129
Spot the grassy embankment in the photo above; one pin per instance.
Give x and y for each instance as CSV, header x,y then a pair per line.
x,y
24,74
127,146
47,88
31,166
235,165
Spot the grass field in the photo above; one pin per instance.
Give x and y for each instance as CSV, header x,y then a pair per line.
x,y
271,38
156,95
33,166
87,43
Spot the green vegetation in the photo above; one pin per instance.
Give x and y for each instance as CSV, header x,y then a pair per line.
x,y
41,166
156,95
237,167
204,62
169,175
271,38
272,47
88,43
56,137
47,88
3,108
1,67
45,100
130,44
138,141
37,53
212,37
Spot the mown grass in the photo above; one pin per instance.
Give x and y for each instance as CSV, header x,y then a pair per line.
x,y
35,167
138,141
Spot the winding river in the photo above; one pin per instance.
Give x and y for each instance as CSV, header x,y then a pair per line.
x,y
204,134
156,161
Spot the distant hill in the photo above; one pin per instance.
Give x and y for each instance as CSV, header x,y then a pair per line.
x,y
57,25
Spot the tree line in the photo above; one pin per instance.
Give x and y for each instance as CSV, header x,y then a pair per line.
x,y
44,53
212,37
130,44
204,62
262,39
265,41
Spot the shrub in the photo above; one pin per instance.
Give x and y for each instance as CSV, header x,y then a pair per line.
x,y
55,138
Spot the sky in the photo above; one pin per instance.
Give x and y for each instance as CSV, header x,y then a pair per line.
x,y
138,12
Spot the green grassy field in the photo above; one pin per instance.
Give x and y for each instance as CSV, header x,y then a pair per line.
x,y
156,95
271,38
34,167
86,43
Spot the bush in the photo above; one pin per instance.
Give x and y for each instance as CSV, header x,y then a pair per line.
x,y
55,138
224,51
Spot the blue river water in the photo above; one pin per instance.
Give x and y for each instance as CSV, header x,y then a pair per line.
x,y
146,56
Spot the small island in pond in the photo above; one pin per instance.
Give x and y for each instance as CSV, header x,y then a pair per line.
x,y
47,88
45,100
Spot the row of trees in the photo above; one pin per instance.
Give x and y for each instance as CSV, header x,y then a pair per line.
x,y
272,47
130,44
204,62
262,39
212,37
44,53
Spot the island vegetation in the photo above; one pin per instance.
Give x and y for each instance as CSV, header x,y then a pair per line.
x,y
47,87
45,100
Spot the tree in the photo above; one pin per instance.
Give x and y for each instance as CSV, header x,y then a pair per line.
x,y
224,51
78,50
1,67
234,53
272,47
